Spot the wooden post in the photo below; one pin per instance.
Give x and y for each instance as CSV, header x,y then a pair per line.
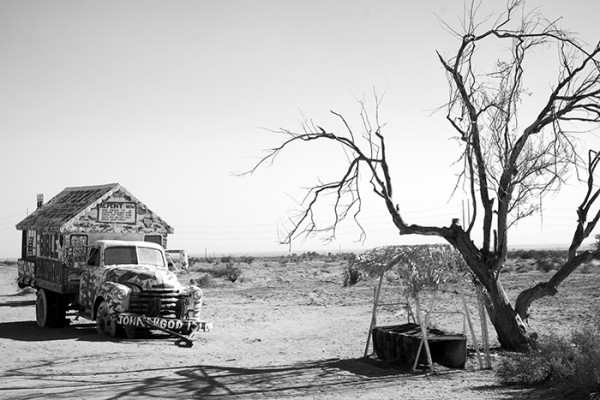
x,y
484,328
468,315
423,324
374,315
409,310
430,311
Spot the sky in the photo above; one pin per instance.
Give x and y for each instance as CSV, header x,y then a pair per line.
x,y
172,99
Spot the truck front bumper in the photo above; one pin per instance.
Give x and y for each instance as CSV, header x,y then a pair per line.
x,y
171,324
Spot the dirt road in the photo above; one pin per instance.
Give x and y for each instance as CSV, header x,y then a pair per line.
x,y
283,332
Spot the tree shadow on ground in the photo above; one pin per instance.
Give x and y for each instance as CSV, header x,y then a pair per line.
x,y
206,381
531,392
331,378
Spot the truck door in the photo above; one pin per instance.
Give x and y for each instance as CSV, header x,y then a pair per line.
x,y
90,278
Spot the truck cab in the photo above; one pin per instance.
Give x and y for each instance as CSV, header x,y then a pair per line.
x,y
127,285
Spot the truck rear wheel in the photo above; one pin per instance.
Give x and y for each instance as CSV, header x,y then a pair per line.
x,y
43,311
60,310
50,309
106,324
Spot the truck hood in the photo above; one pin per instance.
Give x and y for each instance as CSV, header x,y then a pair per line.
x,y
146,277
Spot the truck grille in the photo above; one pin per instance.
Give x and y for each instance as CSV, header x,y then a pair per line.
x,y
157,303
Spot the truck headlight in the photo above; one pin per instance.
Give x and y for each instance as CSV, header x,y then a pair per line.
x,y
197,294
120,294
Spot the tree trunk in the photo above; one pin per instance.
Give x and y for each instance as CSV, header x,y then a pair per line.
x,y
513,333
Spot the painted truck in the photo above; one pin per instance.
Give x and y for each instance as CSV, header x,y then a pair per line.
x,y
100,252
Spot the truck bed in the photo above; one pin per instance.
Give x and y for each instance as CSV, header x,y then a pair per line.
x,y
39,272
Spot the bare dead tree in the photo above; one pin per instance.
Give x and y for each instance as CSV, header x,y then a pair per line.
x,y
583,230
509,163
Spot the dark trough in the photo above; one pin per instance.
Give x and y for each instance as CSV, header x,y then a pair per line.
x,y
401,343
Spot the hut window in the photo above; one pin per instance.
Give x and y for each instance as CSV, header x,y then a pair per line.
x,y
44,245
77,249
28,244
48,245
153,239
55,245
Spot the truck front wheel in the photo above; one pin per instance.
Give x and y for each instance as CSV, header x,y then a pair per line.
x,y
106,324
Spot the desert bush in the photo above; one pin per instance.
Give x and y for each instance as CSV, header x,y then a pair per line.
x,y
535,254
246,260
547,264
232,273
204,281
310,255
198,266
26,290
586,268
391,277
352,275
570,365
201,260
507,268
23,291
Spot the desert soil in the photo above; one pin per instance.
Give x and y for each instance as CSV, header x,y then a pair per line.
x,y
281,331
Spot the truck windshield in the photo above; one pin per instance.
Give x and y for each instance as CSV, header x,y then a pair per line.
x,y
150,256
129,255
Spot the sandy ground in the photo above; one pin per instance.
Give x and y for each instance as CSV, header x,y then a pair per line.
x,y
284,331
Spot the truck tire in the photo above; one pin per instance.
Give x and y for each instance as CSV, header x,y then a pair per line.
x,y
44,308
129,332
106,324
50,309
60,310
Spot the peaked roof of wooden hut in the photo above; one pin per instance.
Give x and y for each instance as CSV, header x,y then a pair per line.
x,y
68,204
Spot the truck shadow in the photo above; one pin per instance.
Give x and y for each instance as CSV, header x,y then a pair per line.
x,y
19,299
18,303
81,330
29,331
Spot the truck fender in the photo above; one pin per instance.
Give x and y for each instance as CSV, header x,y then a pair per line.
x,y
116,295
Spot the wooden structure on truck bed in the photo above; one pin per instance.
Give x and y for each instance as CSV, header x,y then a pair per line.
x,y
57,234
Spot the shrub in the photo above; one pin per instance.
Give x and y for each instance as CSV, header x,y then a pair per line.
x,y
23,291
232,273
586,268
352,276
507,268
572,366
547,264
247,260
204,281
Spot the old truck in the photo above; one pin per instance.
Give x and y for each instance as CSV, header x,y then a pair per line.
x,y
99,252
